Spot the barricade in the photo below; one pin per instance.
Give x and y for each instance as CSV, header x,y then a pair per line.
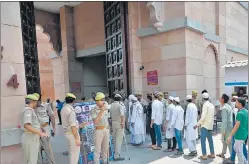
x,y
86,134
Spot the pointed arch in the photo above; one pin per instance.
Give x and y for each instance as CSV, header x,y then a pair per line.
x,y
46,52
215,71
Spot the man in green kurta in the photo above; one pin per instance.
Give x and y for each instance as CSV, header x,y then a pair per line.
x,y
227,125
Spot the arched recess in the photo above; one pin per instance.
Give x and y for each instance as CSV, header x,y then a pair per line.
x,y
46,52
211,72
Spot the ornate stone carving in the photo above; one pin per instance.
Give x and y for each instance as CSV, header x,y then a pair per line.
x,y
156,14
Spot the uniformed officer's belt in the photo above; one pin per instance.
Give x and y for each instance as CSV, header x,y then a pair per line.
x,y
45,124
68,132
100,127
28,132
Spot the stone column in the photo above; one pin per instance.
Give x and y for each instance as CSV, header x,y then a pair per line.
x,y
73,69
135,60
220,11
11,63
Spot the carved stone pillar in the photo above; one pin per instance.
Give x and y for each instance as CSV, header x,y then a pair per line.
x,y
156,14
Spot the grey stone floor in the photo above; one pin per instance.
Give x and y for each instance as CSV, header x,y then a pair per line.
x,y
140,155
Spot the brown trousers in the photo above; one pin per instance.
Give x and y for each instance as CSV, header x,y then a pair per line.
x,y
101,144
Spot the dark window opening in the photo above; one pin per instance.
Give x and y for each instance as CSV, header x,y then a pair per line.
x,y
31,62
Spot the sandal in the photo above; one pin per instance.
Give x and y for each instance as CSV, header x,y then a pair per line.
x,y
149,146
203,157
153,146
156,148
221,155
211,156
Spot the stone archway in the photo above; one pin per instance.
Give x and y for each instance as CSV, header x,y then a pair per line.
x,y
45,51
211,72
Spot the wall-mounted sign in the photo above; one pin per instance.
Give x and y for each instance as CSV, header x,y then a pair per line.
x,y
152,78
76,87
13,81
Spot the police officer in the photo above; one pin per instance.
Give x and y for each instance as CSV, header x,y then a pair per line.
x,y
71,128
99,115
117,112
44,112
32,131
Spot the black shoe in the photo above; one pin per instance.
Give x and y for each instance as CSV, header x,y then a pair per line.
x,y
119,159
193,153
179,153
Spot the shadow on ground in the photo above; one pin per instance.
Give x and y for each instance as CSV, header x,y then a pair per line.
x,y
142,154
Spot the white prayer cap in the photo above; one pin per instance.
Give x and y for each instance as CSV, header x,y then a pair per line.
x,y
130,97
171,98
156,93
205,95
189,97
133,98
177,99
235,97
118,95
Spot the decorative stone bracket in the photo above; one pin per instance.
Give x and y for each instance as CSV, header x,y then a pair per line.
x,y
156,14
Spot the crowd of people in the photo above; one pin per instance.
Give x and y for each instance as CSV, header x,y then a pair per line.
x,y
161,116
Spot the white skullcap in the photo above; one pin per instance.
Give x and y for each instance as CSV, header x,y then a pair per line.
x,y
133,98
171,98
189,97
156,93
130,97
205,95
235,97
118,95
177,99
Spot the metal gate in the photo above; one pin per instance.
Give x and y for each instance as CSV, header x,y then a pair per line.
x,y
115,41
31,62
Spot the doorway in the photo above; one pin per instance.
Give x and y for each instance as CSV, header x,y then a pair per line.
x,y
95,76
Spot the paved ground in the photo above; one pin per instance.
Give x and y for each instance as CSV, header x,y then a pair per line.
x,y
141,155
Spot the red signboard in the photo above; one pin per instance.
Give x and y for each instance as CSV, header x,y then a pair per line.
x,y
152,78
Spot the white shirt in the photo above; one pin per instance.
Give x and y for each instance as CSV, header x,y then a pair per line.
x,y
177,118
157,112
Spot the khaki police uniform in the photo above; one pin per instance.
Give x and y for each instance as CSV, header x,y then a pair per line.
x,y
30,141
101,135
117,109
44,111
68,118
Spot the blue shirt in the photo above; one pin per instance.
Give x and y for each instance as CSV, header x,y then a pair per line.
x,y
59,106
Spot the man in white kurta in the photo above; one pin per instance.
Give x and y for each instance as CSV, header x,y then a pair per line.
x,y
157,118
170,134
178,123
190,122
137,122
130,110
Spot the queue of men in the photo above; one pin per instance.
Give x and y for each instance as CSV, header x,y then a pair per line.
x,y
161,114
197,120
